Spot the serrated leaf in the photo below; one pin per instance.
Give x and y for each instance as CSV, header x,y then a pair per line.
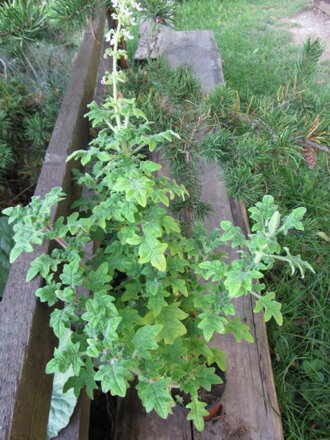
x,y
205,377
153,287
170,318
84,379
72,274
64,358
152,250
143,340
60,320
293,220
239,330
272,308
156,303
114,377
219,357
149,167
155,395
179,286
48,294
197,413
210,323
170,224
152,229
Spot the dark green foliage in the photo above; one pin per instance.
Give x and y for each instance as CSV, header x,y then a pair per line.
x,y
159,11
67,13
307,66
21,20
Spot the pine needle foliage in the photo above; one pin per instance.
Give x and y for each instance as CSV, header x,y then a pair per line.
x,y
21,20
307,65
161,12
172,98
73,12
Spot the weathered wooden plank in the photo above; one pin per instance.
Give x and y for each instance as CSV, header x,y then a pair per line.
x,y
134,423
26,340
196,48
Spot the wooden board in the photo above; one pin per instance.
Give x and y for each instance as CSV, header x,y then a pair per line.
x,y
250,409
179,47
26,341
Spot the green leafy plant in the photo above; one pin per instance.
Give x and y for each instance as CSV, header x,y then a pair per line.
x,y
147,315
6,244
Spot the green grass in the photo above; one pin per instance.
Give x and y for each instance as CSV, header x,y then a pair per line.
x,y
258,57
257,54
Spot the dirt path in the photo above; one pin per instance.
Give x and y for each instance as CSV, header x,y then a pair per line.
x,y
314,22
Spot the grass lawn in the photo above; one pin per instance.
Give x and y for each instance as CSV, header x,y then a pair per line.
x,y
258,57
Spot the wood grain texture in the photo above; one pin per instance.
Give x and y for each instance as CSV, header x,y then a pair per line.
x,y
26,340
181,47
134,423
250,409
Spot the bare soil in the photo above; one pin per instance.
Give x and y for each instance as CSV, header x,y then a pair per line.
x,y
312,22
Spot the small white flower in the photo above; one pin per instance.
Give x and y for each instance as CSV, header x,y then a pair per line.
x,y
137,6
103,81
133,21
108,36
128,35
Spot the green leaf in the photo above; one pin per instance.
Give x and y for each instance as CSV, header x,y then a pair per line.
x,y
296,262
63,401
262,212
153,287
98,279
274,222
293,220
170,224
179,286
156,395
114,377
152,229
152,250
110,333
197,413
205,377
215,269
136,189
210,323
219,357
272,308
149,167
60,319
143,340
48,293
84,379
239,330
156,303
64,358
72,274
170,317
